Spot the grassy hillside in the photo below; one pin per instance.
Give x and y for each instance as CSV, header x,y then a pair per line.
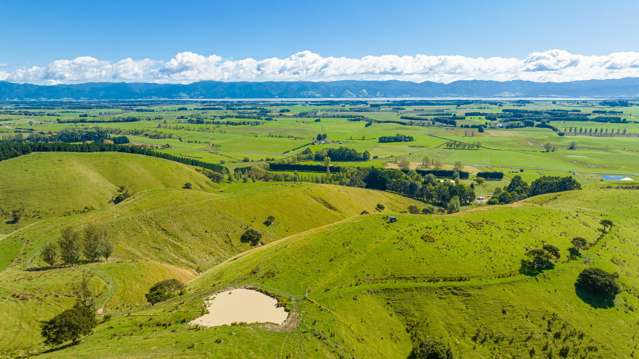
x,y
55,184
366,288
162,231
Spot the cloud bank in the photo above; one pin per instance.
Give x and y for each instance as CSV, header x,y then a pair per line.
x,y
186,67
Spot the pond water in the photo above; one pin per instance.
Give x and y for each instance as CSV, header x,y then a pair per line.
x,y
241,306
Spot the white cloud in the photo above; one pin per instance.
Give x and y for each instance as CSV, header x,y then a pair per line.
x,y
186,67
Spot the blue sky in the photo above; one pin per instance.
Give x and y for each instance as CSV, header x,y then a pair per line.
x,y
37,32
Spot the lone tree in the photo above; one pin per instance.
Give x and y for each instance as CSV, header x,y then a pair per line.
x,y
164,290
537,261
599,284
251,236
70,246
49,254
606,224
72,323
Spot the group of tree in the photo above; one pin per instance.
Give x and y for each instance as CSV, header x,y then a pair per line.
x,y
343,154
442,193
164,290
72,323
92,243
70,135
11,149
396,138
458,145
597,132
518,189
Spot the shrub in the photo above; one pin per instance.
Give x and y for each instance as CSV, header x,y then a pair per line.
x,y
598,283
380,207
122,194
412,209
164,290
187,185
251,236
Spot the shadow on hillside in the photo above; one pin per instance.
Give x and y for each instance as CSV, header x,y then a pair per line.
x,y
594,301
51,350
44,268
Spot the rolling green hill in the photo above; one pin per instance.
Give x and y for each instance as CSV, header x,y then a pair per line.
x,y
54,184
162,231
367,288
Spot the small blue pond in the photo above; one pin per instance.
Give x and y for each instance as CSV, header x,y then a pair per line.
x,y
613,177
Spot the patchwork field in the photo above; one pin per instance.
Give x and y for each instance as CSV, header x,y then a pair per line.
x,y
381,239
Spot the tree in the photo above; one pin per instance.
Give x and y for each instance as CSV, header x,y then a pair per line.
x,y
404,163
552,250
164,290
49,254
426,162
93,242
549,147
578,243
106,249
188,185
572,145
453,205
606,224
380,207
431,350
251,236
72,323
16,216
537,261
412,209
269,220
70,246
598,283
458,166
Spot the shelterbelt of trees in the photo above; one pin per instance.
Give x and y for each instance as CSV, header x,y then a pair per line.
x,y
11,149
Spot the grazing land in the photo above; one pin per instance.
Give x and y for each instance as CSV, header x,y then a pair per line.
x,y
382,228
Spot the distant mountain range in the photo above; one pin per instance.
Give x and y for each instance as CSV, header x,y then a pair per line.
x,y
622,88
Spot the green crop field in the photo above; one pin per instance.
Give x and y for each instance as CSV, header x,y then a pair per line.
x,y
371,256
